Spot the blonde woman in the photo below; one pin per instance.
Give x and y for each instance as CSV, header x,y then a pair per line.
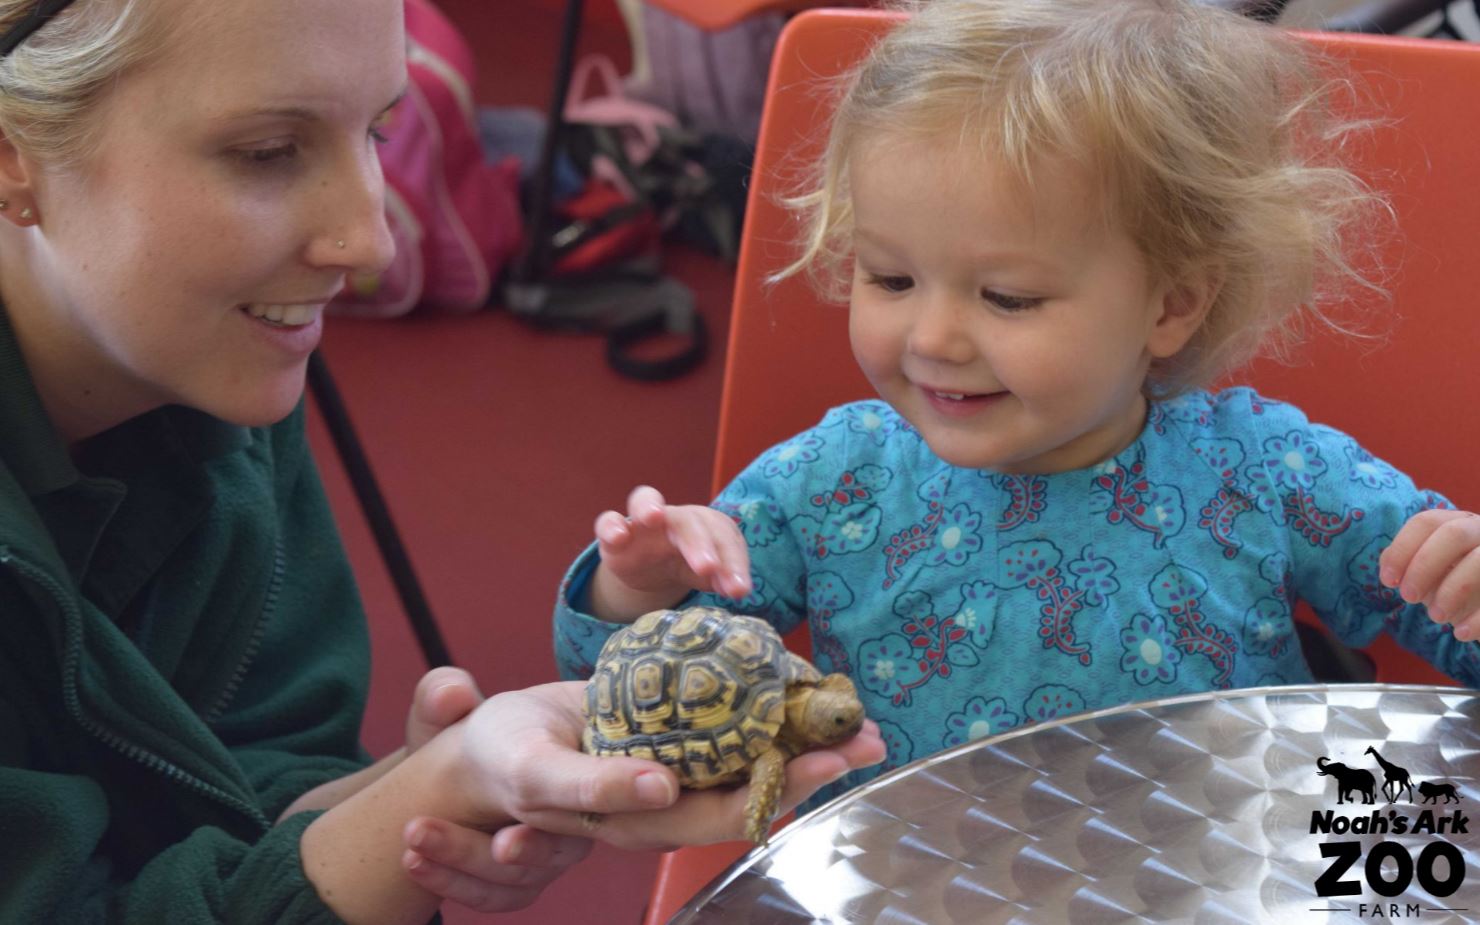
x,y
1055,223
183,185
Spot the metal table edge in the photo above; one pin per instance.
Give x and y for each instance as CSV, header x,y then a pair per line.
x,y
692,908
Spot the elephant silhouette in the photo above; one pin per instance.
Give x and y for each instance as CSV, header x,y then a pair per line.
x,y
1348,779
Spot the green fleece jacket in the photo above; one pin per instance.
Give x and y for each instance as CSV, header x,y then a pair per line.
x,y
182,653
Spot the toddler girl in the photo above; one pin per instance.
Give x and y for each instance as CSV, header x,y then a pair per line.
x,y
1056,222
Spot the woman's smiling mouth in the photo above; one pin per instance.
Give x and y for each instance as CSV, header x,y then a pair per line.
x,y
285,316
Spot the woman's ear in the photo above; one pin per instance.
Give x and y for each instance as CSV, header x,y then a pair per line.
x,y
17,191
1184,303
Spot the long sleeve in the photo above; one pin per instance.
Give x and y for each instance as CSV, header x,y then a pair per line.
x,y
1340,507
146,750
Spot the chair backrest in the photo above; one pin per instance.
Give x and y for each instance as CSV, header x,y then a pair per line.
x,y
789,358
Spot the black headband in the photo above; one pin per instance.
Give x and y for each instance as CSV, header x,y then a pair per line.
x,y
38,17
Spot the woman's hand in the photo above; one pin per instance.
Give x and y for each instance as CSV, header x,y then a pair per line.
x,y
1435,560
526,745
442,697
516,759
657,553
501,872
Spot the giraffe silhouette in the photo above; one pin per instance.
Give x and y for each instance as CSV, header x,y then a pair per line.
x,y
1393,776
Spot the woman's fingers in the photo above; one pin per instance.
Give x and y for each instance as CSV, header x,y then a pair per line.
x,y
811,771
531,847
701,817
530,742
443,696
496,873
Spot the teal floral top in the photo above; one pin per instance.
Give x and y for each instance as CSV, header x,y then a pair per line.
x,y
967,602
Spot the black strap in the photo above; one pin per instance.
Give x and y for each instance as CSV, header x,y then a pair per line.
x,y
39,16
622,339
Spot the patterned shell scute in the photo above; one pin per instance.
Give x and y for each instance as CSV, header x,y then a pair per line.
x,y
701,690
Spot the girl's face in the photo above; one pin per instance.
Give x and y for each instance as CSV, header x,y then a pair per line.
x,y
236,181
1008,326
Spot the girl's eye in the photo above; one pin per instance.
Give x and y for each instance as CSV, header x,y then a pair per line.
x,y
268,155
893,284
1010,303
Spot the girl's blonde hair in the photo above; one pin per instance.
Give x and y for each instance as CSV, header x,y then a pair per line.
x,y
50,83
1213,138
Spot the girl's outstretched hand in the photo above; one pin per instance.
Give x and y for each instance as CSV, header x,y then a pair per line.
x,y
656,553
1435,561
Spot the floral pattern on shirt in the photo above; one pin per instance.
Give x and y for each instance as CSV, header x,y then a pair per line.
x,y
967,603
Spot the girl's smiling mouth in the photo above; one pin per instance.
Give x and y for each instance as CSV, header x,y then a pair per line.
x,y
946,401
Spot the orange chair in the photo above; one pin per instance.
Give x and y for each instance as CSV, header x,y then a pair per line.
x,y
789,358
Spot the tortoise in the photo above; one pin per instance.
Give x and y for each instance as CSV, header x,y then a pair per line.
x,y
717,698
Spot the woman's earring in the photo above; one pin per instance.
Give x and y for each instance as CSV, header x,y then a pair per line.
x,y
26,213
339,244
4,204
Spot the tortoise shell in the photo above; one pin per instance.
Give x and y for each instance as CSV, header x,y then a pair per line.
x,y
701,690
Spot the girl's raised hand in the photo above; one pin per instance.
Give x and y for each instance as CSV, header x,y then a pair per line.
x,y
1435,560
656,553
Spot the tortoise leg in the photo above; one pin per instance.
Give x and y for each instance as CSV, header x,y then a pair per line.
x,y
767,776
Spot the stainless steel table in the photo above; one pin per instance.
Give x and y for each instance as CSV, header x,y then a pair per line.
x,y
1208,809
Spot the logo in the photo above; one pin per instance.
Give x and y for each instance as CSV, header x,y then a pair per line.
x,y
1389,867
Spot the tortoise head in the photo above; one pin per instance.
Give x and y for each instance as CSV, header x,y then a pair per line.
x,y
826,713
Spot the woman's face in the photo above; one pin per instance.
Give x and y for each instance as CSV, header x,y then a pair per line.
x,y
236,182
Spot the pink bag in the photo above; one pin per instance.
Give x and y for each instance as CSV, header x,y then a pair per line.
x,y
454,218
637,123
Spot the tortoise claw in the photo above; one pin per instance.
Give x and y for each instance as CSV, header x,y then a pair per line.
x,y
767,776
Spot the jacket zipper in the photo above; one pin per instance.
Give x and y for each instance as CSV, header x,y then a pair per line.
x,y
269,606
113,740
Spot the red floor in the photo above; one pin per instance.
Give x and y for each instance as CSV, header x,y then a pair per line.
x,y
496,446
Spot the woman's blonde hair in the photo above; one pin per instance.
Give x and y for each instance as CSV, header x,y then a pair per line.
x,y
51,81
1214,138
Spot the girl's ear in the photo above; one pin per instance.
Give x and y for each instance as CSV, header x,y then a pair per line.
x,y
1184,304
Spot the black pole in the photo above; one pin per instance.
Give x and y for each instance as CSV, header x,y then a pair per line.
x,y
372,502
532,266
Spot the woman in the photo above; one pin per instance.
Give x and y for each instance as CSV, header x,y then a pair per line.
x,y
184,184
